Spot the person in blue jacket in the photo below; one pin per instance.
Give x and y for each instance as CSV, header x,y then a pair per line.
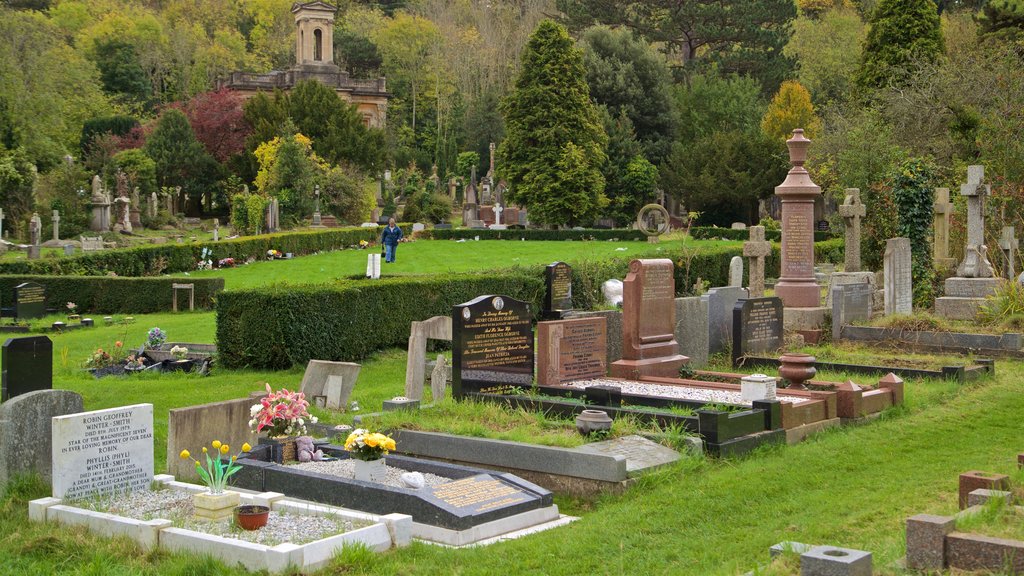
x,y
389,238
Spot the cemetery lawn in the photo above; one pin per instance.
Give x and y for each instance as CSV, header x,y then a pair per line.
x,y
441,256
850,487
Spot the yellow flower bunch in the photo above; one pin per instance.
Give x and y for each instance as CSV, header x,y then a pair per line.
x,y
216,472
366,445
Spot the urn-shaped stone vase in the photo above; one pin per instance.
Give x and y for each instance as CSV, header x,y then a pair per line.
x,y
797,368
590,421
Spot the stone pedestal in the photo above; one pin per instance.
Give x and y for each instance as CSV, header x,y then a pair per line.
x,y
964,297
215,507
797,286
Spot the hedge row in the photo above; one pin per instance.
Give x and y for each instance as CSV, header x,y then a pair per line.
x,y
281,326
532,234
155,259
714,233
112,295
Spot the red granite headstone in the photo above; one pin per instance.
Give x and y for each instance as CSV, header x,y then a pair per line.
x,y
487,214
797,286
649,346
570,350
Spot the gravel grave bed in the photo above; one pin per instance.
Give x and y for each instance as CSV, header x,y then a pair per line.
x,y
176,506
708,395
345,468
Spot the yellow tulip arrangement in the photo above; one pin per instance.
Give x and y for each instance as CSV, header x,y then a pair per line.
x,y
366,445
217,471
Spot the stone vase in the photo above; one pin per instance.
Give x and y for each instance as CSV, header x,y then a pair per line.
x,y
215,507
797,368
590,421
371,470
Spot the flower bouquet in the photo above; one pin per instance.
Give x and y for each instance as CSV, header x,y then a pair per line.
x,y
179,352
282,415
226,263
155,338
135,363
73,311
274,254
365,445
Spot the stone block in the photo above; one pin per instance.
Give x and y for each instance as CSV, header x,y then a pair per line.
x,y
401,404
804,318
25,421
317,371
926,541
972,287
757,387
832,561
984,553
982,495
333,391
692,330
955,308
895,384
974,479
37,508
194,427
400,528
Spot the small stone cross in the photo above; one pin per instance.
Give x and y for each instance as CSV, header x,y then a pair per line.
x,y
497,213
56,224
852,211
943,209
975,263
756,250
1009,244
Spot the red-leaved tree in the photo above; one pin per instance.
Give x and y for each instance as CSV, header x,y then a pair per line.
x,y
216,118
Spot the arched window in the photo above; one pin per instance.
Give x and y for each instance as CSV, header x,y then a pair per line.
x,y
318,50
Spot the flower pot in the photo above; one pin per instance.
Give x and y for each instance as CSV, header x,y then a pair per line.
x,y
371,470
593,421
251,517
215,507
797,368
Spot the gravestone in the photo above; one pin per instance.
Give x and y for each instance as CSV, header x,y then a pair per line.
x,y
439,377
613,323
649,346
56,225
69,249
640,453
493,347
103,452
436,328
418,227
27,366
797,286
570,350
216,230
899,294
29,300
92,244
756,250
692,330
943,209
317,371
25,441
852,211
721,302
1009,244
558,290
193,427
756,327
850,303
975,263
334,393
736,271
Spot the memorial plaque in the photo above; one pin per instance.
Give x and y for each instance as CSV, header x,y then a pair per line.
x,y
29,300
492,345
27,366
756,327
558,296
103,452
573,349
476,494
850,303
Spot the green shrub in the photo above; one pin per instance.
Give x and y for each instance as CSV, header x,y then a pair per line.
x,y
715,233
277,327
239,216
111,295
532,234
254,211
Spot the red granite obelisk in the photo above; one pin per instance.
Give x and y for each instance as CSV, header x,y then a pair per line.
x,y
797,286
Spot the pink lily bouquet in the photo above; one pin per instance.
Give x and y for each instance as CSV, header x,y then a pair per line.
x,y
281,413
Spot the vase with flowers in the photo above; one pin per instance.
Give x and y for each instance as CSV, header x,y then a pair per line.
x,y
282,416
368,450
216,503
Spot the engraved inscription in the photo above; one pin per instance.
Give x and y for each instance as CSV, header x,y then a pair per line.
x,y
481,493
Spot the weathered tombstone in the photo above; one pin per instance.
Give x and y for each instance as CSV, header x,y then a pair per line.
x,y
91,244
216,230
69,249
756,250
439,377
721,302
153,205
943,210
317,223
29,300
738,226
797,286
736,271
850,303
25,431
852,211
333,392
1009,244
103,452
27,366
692,330
492,345
317,372
570,350
436,328
649,322
899,294
373,266
100,207
56,225
975,263
756,327
35,228
135,213
193,427
1,222
558,291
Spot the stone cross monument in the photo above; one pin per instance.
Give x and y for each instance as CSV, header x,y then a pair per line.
x,y
943,209
1009,244
852,211
56,225
35,229
756,250
797,286
317,222
975,263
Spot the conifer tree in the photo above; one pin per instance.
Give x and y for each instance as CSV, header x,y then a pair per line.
x,y
903,33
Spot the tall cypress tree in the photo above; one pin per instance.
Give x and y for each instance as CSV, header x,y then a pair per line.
x,y
555,144
903,34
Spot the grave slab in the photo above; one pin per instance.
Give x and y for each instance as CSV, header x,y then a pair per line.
x,y
640,453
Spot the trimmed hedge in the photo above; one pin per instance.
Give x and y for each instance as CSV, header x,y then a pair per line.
x,y
622,234
151,260
112,295
285,325
715,233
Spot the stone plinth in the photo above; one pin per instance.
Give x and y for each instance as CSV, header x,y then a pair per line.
x,y
973,480
926,541
797,286
649,322
964,297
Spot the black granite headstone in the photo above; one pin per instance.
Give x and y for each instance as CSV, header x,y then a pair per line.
x,y
756,326
492,338
558,293
27,366
850,303
29,300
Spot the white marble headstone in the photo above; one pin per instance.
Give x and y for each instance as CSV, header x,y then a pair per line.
x,y
103,452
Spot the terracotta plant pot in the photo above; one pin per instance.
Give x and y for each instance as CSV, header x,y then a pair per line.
x,y
251,517
797,368
590,421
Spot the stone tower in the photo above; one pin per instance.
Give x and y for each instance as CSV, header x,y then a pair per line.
x,y
314,34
